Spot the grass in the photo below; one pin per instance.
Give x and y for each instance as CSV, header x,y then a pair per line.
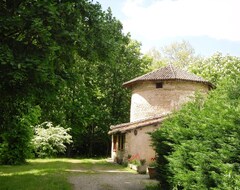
x,y
50,174
152,186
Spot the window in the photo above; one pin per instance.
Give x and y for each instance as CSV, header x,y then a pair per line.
x,y
135,132
121,141
114,143
159,85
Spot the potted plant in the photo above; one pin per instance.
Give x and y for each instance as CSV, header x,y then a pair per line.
x,y
152,168
141,169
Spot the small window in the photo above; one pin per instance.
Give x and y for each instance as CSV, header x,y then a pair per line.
x,y
121,141
135,132
114,143
159,85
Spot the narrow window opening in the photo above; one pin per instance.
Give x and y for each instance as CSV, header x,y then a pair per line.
x,y
114,143
159,85
135,132
121,142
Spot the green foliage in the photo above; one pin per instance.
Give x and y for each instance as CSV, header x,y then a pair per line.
x,y
181,54
135,159
198,147
153,163
217,67
16,146
50,140
70,58
142,162
152,186
156,59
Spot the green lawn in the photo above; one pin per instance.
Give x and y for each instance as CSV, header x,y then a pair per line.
x,y
49,174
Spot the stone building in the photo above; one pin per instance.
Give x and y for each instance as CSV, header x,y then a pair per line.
x,y
154,96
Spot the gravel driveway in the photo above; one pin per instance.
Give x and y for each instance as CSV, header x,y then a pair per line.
x,y
108,179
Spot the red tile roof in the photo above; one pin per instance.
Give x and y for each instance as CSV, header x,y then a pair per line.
x,y
167,73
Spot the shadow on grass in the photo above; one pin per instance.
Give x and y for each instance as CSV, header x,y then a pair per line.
x,y
44,174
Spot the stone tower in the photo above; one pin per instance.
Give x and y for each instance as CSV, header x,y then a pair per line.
x,y
162,91
154,96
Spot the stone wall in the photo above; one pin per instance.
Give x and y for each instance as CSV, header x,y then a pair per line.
x,y
149,101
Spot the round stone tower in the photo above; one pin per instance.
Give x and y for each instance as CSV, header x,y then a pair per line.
x,y
163,91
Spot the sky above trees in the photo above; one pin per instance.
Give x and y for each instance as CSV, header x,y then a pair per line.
x,y
209,25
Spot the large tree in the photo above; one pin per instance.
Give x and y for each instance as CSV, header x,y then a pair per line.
x,y
66,60
180,54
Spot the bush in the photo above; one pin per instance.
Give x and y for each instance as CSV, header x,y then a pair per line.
x,y
198,147
48,140
16,141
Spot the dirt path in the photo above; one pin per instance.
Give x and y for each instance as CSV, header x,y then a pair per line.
x,y
108,177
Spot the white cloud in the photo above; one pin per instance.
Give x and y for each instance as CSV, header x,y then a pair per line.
x,y
217,19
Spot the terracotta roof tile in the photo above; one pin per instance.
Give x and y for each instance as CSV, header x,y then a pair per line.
x,y
167,73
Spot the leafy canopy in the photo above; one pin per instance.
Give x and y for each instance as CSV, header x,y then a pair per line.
x,y
69,58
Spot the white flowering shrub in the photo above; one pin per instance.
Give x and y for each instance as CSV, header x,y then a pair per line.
x,y
50,140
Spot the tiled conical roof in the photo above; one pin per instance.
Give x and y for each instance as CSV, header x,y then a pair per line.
x,y
167,73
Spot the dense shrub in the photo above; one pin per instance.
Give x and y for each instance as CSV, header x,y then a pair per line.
x,y
199,146
15,147
50,140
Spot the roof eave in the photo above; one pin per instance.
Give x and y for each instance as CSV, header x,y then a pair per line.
x,y
130,84
122,128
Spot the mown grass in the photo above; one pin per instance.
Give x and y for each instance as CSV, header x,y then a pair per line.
x,y
49,174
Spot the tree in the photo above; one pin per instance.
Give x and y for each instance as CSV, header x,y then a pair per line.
x,y
156,58
69,58
102,99
15,146
180,54
217,67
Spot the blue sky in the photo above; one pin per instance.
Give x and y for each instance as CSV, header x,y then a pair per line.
x,y
208,25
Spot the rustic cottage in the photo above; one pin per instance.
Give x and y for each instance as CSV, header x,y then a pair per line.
x,y
154,96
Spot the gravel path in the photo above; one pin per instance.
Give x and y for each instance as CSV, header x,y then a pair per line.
x,y
109,179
